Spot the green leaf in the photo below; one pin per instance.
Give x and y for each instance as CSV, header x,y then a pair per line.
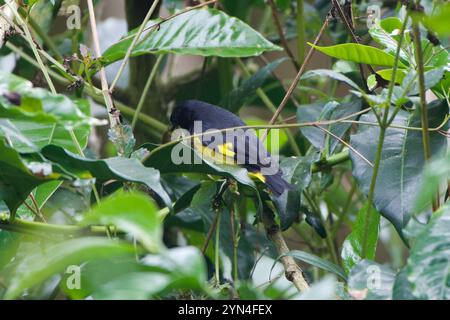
x,y
42,194
371,281
330,74
205,32
436,172
431,77
365,232
297,171
438,21
359,53
9,243
316,261
130,212
39,133
37,104
387,38
190,161
428,265
402,161
386,74
17,179
240,95
118,168
38,265
176,269
323,112
390,24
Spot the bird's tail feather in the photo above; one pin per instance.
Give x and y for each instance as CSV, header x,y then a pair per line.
x,y
277,184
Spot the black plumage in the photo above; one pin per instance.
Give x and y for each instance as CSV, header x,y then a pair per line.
x,y
254,157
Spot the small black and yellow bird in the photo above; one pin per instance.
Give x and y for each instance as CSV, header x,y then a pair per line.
x,y
241,145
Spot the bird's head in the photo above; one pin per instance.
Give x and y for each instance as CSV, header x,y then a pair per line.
x,y
182,115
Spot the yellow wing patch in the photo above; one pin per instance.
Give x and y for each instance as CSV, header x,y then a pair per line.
x,y
227,149
257,175
224,154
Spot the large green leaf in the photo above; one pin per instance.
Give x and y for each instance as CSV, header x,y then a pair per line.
x,y
39,133
205,32
359,53
428,266
401,163
240,95
130,212
32,115
364,234
118,168
39,264
20,101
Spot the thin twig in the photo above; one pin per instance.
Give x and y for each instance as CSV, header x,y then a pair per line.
x,y
349,27
284,43
148,84
32,44
296,80
211,230
346,144
133,44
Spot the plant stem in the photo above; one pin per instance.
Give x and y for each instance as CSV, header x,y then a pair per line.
x,y
233,214
81,153
383,127
43,35
217,249
113,113
133,44
148,84
33,47
280,31
301,37
44,229
333,160
291,270
371,194
423,102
